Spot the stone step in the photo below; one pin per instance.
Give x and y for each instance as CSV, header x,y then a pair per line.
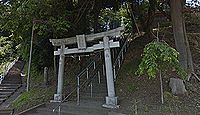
x,y
70,108
4,96
9,87
9,84
88,107
96,82
95,96
45,112
82,111
94,90
98,85
102,86
71,111
6,93
3,99
101,80
92,98
7,90
6,111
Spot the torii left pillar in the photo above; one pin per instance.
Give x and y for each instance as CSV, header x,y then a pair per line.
x,y
58,95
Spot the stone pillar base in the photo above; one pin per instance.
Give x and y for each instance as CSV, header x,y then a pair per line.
x,y
111,102
57,98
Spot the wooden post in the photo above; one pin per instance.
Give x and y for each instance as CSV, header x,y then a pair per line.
x,y
30,58
45,76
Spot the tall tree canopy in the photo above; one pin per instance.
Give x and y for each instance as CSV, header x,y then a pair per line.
x,y
64,18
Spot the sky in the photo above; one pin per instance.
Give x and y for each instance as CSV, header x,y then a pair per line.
x,y
198,2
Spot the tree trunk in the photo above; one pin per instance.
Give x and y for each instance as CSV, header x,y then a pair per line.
x,y
181,40
151,13
179,31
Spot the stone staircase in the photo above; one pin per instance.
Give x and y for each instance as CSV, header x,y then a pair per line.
x,y
6,90
89,104
86,107
10,84
99,90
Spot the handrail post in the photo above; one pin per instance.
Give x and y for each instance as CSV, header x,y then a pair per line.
x,y
119,62
99,77
122,55
91,89
59,110
78,90
100,55
113,53
87,72
125,46
114,73
103,70
79,58
94,65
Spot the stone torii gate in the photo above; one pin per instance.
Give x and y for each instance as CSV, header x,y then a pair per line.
x,y
111,99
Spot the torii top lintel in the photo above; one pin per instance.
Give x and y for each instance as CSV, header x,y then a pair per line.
x,y
90,37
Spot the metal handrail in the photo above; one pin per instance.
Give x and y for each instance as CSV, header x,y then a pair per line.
x,y
80,86
85,70
83,84
120,54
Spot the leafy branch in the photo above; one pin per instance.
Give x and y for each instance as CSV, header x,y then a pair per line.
x,y
159,56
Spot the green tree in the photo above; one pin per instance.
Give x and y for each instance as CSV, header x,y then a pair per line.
x,y
18,17
160,58
179,31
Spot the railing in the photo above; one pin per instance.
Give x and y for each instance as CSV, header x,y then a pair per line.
x,y
7,67
88,74
119,59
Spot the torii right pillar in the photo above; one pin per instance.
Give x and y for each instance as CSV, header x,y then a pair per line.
x,y
111,99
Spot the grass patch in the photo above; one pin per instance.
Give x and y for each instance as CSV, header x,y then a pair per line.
x,y
132,87
36,76
129,68
38,93
33,97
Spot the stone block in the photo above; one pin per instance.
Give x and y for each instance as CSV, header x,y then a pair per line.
x,y
57,97
111,102
177,86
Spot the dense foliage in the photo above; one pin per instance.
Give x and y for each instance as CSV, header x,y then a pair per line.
x,y
64,18
18,18
7,49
